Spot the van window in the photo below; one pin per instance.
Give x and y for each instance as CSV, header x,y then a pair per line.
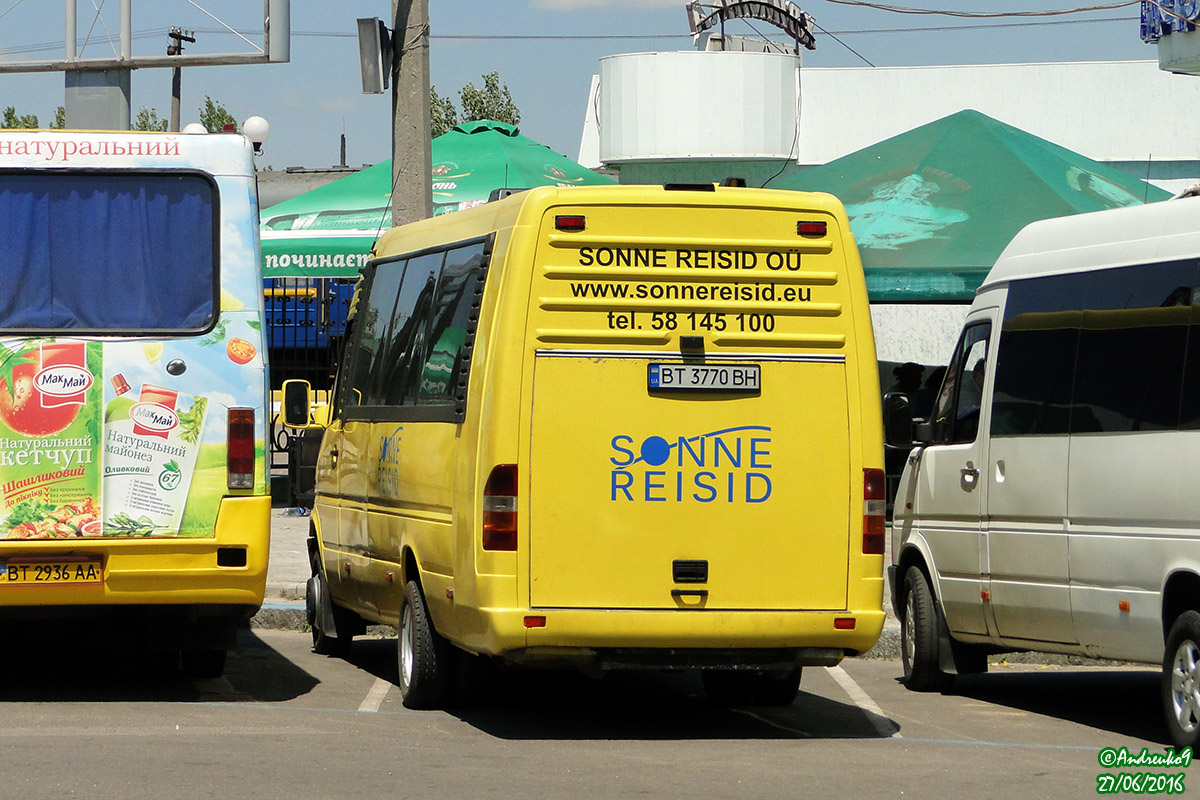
x,y
1095,352
1129,366
1036,358
958,403
416,328
392,381
371,323
443,377
86,252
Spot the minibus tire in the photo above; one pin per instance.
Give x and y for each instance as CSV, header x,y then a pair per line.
x,y
1181,680
918,635
204,663
317,604
777,688
726,687
423,658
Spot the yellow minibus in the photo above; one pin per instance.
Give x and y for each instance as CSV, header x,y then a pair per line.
x,y
133,388
620,427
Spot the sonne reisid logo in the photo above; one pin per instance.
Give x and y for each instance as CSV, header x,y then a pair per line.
x,y
727,466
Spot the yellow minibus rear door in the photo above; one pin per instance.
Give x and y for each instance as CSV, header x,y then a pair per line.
x,y
695,435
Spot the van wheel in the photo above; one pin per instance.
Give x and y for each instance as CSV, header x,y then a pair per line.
x,y
969,659
204,663
918,635
777,688
729,687
1181,680
318,606
424,658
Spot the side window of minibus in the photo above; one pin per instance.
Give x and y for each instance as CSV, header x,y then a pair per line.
x,y
956,414
371,321
405,344
454,317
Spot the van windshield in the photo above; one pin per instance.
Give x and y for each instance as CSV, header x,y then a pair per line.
x,y
107,252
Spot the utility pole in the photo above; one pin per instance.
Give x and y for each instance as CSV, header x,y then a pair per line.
x,y
177,37
412,193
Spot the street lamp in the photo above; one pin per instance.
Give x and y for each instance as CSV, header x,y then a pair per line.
x,y
256,129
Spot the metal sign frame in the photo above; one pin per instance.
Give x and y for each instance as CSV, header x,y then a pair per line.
x,y
276,47
783,14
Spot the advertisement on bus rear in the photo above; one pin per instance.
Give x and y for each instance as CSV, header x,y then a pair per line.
x,y
121,438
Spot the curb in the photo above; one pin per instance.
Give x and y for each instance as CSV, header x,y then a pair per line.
x,y
281,613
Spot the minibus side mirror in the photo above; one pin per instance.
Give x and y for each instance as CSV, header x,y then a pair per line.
x,y
897,420
297,403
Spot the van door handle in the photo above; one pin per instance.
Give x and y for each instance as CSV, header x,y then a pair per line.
x,y
333,457
969,474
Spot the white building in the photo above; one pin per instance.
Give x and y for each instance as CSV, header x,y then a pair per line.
x,y
1128,114
657,117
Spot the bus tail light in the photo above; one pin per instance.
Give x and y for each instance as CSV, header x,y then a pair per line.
x,y
874,511
571,223
239,461
500,509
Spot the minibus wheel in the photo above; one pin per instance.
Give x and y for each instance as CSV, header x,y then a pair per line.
x,y
204,663
319,607
1181,680
729,687
777,688
423,657
918,635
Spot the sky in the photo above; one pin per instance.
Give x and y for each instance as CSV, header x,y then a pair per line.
x,y
545,52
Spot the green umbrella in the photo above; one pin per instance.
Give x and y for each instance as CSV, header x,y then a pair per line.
x,y
932,208
328,232
475,158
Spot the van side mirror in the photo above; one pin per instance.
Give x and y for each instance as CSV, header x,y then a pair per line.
x,y
897,420
297,403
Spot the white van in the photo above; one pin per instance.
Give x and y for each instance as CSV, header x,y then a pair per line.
x,y
1050,503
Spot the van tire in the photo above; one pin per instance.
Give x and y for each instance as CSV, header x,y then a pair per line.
x,y
727,687
204,663
317,605
1181,680
423,658
777,688
919,635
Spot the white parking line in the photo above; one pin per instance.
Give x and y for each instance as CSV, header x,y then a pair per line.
x,y
374,698
870,708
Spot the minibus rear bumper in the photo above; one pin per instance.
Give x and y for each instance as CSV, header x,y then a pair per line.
x,y
613,639
226,573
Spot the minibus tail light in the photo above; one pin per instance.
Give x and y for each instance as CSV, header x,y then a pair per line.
x,y
874,511
570,222
500,509
240,448
809,228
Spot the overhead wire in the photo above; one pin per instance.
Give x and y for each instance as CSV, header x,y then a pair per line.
x,y
985,14
833,34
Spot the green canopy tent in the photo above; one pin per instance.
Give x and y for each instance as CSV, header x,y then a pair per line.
x,y
932,208
328,232
475,158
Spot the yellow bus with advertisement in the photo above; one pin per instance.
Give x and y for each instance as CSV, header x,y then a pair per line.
x,y
133,410
611,428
